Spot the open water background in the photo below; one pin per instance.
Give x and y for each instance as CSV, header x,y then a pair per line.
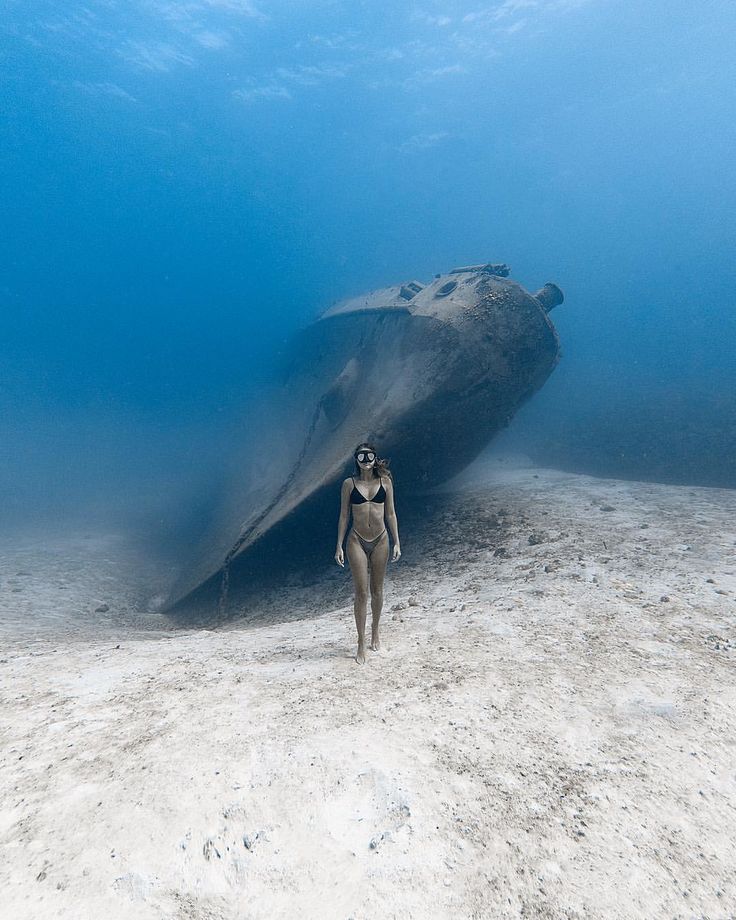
x,y
186,182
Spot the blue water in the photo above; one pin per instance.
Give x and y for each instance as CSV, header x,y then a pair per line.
x,y
184,184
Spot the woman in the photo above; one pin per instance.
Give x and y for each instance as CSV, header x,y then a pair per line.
x,y
367,544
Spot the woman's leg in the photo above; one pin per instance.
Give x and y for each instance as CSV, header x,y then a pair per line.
x,y
379,561
359,569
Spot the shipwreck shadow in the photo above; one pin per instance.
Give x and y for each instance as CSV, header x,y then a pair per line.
x,y
290,573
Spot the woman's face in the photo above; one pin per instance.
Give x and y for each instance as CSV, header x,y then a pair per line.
x,y
365,458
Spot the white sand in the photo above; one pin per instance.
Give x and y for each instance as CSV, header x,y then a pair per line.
x,y
543,735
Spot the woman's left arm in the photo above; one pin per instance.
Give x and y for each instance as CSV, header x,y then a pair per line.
x,y
392,522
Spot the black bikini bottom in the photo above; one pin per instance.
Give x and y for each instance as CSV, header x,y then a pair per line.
x,y
370,545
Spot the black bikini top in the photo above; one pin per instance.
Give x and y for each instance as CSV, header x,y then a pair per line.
x,y
357,499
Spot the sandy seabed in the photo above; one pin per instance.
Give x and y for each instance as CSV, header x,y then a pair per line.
x,y
547,732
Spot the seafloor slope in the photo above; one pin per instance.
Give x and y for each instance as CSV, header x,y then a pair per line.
x,y
547,732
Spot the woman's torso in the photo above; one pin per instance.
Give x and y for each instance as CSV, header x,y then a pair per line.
x,y
368,506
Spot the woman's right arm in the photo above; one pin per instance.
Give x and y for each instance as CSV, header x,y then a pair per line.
x,y
342,524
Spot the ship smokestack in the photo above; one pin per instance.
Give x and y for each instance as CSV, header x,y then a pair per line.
x,y
550,296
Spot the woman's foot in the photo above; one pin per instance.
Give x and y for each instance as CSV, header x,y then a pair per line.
x,y
375,643
360,654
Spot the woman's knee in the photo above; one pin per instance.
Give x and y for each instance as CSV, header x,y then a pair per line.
x,y
377,593
361,595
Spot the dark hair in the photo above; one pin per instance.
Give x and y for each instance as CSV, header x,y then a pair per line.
x,y
380,467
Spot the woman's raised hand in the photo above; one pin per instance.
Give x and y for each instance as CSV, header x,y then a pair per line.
x,y
340,557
